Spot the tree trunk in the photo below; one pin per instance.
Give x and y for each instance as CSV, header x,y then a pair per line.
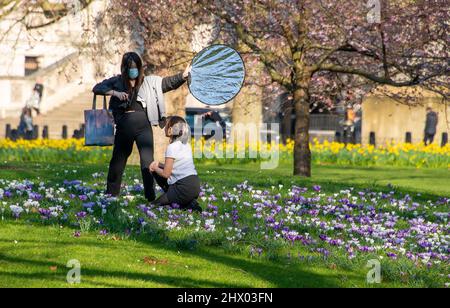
x,y
247,106
302,152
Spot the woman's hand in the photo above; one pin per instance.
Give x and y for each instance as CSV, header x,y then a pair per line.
x,y
123,96
153,166
164,170
187,71
162,123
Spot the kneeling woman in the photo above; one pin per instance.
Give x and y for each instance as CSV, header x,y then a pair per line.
x,y
178,176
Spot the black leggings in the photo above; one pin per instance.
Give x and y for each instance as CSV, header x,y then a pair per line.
x,y
131,127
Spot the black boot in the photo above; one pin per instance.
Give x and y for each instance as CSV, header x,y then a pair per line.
x,y
194,206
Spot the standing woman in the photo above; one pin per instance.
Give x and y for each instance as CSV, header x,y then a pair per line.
x,y
137,103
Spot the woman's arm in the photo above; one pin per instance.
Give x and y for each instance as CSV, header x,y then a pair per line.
x,y
172,82
106,88
175,81
168,167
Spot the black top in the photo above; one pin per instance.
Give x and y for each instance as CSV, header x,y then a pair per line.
x,y
431,122
116,83
38,87
215,117
133,103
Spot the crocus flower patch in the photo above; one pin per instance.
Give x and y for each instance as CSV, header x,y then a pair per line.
x,y
294,221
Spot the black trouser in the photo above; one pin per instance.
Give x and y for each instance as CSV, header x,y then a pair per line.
x,y
131,127
429,138
183,192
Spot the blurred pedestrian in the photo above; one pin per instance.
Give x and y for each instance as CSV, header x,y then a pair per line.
x,y
358,123
431,123
349,125
25,128
34,102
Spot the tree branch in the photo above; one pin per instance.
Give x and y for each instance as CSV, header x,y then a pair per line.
x,y
57,15
267,58
382,80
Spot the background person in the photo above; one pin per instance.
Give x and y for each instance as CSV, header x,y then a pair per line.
x,y
431,123
349,124
34,102
25,128
215,117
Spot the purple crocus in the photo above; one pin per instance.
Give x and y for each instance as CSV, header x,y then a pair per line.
x,y
89,205
45,214
35,196
81,215
317,188
391,255
83,197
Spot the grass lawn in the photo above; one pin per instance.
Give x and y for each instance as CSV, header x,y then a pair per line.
x,y
108,262
33,254
430,183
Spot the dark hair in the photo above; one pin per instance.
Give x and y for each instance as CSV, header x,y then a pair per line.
x,y
173,120
127,60
26,111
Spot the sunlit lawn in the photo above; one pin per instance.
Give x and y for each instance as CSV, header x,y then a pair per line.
x,y
35,255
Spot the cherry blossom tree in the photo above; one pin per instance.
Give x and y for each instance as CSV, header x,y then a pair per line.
x,y
307,46
312,49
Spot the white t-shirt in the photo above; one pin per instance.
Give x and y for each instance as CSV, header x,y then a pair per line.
x,y
184,162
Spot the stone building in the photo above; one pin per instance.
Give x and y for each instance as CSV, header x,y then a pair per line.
x,y
390,120
49,55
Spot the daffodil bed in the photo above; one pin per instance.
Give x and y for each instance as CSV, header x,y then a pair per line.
x,y
267,227
327,153
44,150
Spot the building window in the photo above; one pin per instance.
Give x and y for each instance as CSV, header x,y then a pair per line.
x,y
31,65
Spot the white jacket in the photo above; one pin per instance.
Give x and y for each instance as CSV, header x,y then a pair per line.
x,y
151,97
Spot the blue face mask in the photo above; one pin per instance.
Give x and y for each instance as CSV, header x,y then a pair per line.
x,y
133,73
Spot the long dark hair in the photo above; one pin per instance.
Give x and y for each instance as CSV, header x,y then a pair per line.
x,y
127,60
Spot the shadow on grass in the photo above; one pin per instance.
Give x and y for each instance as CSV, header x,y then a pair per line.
x,y
278,274
93,243
89,273
274,274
